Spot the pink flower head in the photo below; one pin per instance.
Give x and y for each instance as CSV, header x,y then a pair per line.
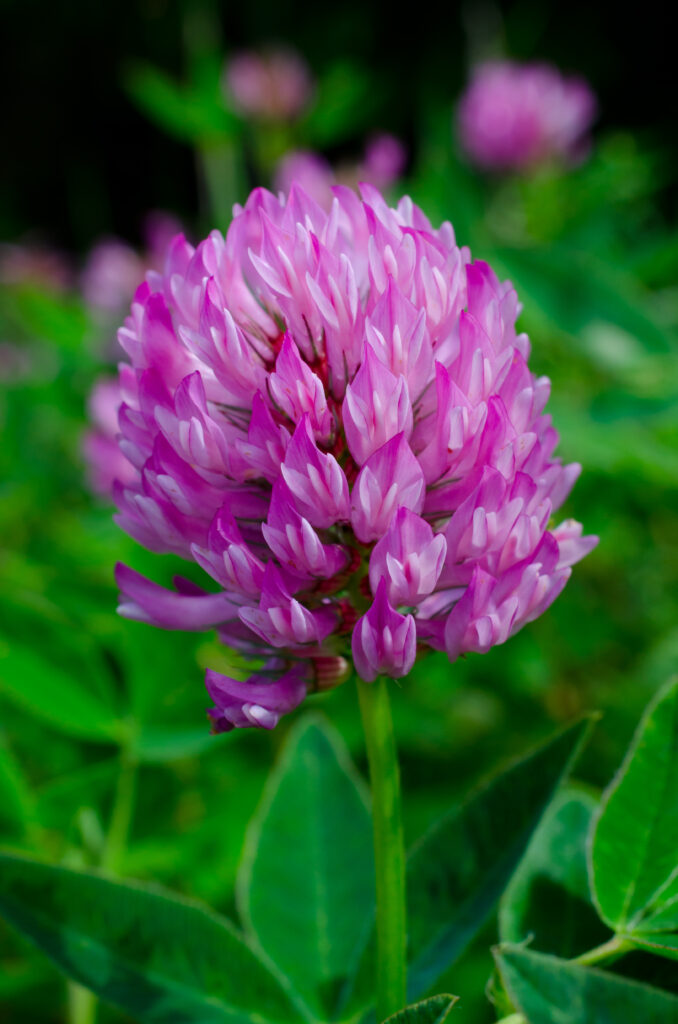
x,y
275,86
514,116
105,461
331,413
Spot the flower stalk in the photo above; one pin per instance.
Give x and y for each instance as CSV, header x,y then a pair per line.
x,y
389,850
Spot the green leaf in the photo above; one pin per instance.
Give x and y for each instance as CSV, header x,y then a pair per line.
x,y
570,289
346,97
664,917
34,683
306,882
635,840
17,804
459,869
661,945
548,897
429,1011
161,959
158,745
191,115
552,991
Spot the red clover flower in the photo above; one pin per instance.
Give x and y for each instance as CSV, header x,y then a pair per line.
x,y
331,413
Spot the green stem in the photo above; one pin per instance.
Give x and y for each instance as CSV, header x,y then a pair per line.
x,y
121,814
607,953
82,1003
389,850
222,180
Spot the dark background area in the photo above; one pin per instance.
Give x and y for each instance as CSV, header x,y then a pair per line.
x,y
81,161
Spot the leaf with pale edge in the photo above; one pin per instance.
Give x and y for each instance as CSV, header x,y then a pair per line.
x,y
161,959
548,898
306,883
429,1011
634,847
459,869
548,990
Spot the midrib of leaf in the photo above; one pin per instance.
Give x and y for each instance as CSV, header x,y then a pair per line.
x,y
318,860
244,886
162,980
655,904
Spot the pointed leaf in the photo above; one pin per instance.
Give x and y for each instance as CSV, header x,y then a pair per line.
x,y
188,114
429,1011
17,804
634,851
552,991
548,899
157,745
459,869
34,683
162,959
306,883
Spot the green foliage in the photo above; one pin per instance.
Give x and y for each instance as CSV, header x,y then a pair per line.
x,y
552,991
16,799
36,684
346,100
634,853
162,959
192,113
306,883
431,1011
548,900
459,869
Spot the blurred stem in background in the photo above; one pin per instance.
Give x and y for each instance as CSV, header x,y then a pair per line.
x,y
82,1003
221,179
389,850
219,157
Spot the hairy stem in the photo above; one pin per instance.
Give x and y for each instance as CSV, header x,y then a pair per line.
x,y
389,852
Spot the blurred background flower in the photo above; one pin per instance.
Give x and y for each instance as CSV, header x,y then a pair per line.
x,y
514,116
274,85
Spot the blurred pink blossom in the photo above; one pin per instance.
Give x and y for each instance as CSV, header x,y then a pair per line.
x,y
384,161
103,457
514,116
36,264
312,173
114,269
275,85
382,164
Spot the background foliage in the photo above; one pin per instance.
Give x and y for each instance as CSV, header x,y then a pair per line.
x,y
105,757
